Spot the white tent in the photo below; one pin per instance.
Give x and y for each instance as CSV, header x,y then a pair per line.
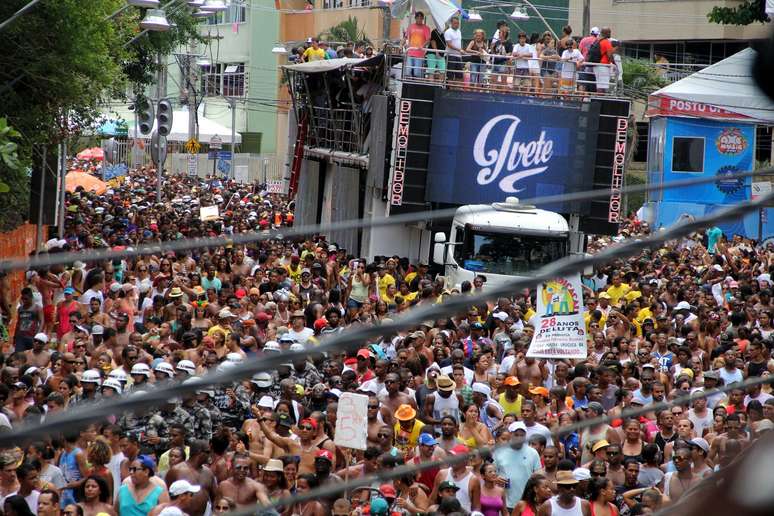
x,y
723,90
207,129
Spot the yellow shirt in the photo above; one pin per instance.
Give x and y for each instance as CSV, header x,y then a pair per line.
x,y
406,441
295,275
384,282
409,277
616,293
310,54
510,407
644,313
587,319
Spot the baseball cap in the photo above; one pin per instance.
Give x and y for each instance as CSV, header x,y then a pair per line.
x,y
517,425
262,380
42,337
69,290
447,484
482,388
502,316
147,462
511,381
460,449
387,491
595,31
574,476
179,487
324,454
602,443
700,443
97,330
266,402
427,440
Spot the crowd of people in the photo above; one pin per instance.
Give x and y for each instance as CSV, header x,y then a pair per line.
x,y
530,64
683,319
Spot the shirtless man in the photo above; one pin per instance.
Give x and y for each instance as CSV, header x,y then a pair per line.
x,y
394,398
195,471
38,355
181,492
733,431
373,421
529,371
240,487
261,448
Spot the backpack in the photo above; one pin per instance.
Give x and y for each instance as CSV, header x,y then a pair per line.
x,y
594,54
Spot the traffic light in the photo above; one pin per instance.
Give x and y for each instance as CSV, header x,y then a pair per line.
x,y
164,117
145,114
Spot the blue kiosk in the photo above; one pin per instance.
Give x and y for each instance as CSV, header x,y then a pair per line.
x,y
704,125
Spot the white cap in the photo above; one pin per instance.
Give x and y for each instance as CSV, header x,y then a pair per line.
x,y
52,244
517,425
42,337
266,402
165,367
683,305
500,315
580,474
179,487
297,347
595,31
482,388
141,368
90,376
187,366
225,313
113,384
97,330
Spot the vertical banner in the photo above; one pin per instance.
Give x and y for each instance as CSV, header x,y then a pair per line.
x,y
352,421
560,331
401,147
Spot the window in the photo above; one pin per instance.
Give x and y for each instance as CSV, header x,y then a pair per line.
x,y
687,154
236,13
507,253
228,80
211,80
234,80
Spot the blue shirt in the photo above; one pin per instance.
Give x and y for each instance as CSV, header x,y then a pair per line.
x,y
517,466
713,236
213,283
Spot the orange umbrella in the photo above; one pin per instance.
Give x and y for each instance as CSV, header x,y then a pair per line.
x,y
92,153
89,183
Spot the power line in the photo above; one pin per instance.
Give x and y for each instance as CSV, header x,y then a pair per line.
x,y
353,339
46,260
18,14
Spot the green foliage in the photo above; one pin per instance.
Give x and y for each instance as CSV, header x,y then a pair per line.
x,y
346,31
14,180
749,11
61,61
642,76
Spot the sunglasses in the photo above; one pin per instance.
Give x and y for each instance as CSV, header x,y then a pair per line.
x,y
308,428
222,508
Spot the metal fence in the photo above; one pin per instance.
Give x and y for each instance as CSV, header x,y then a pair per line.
x,y
489,72
246,167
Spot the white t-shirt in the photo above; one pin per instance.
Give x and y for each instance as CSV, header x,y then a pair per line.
x,y
301,336
453,37
523,63
700,422
571,58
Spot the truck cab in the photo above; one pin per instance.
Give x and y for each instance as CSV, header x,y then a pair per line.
x,y
501,241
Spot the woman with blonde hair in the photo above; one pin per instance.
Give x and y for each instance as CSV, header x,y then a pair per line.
x,y
477,49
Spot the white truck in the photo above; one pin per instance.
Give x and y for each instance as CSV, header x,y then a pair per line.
x,y
506,240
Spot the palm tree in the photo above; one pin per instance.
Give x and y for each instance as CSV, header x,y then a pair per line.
x,y
345,31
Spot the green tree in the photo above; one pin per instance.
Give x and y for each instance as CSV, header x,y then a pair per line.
x,y
747,12
348,30
64,58
641,77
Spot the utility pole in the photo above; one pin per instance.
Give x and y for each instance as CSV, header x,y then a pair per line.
x,y
232,102
162,140
386,23
62,166
586,18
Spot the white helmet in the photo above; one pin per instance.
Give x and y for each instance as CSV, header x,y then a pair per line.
x,y
113,384
187,366
165,367
142,369
271,345
119,375
235,358
91,376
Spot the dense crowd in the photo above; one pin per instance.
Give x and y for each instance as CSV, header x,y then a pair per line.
x,y
685,318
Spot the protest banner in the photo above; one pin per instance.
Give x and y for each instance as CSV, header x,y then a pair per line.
x,y
352,421
560,331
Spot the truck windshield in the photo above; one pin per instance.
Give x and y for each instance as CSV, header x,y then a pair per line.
x,y
508,253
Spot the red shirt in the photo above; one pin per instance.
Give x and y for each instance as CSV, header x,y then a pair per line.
x,y
605,46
